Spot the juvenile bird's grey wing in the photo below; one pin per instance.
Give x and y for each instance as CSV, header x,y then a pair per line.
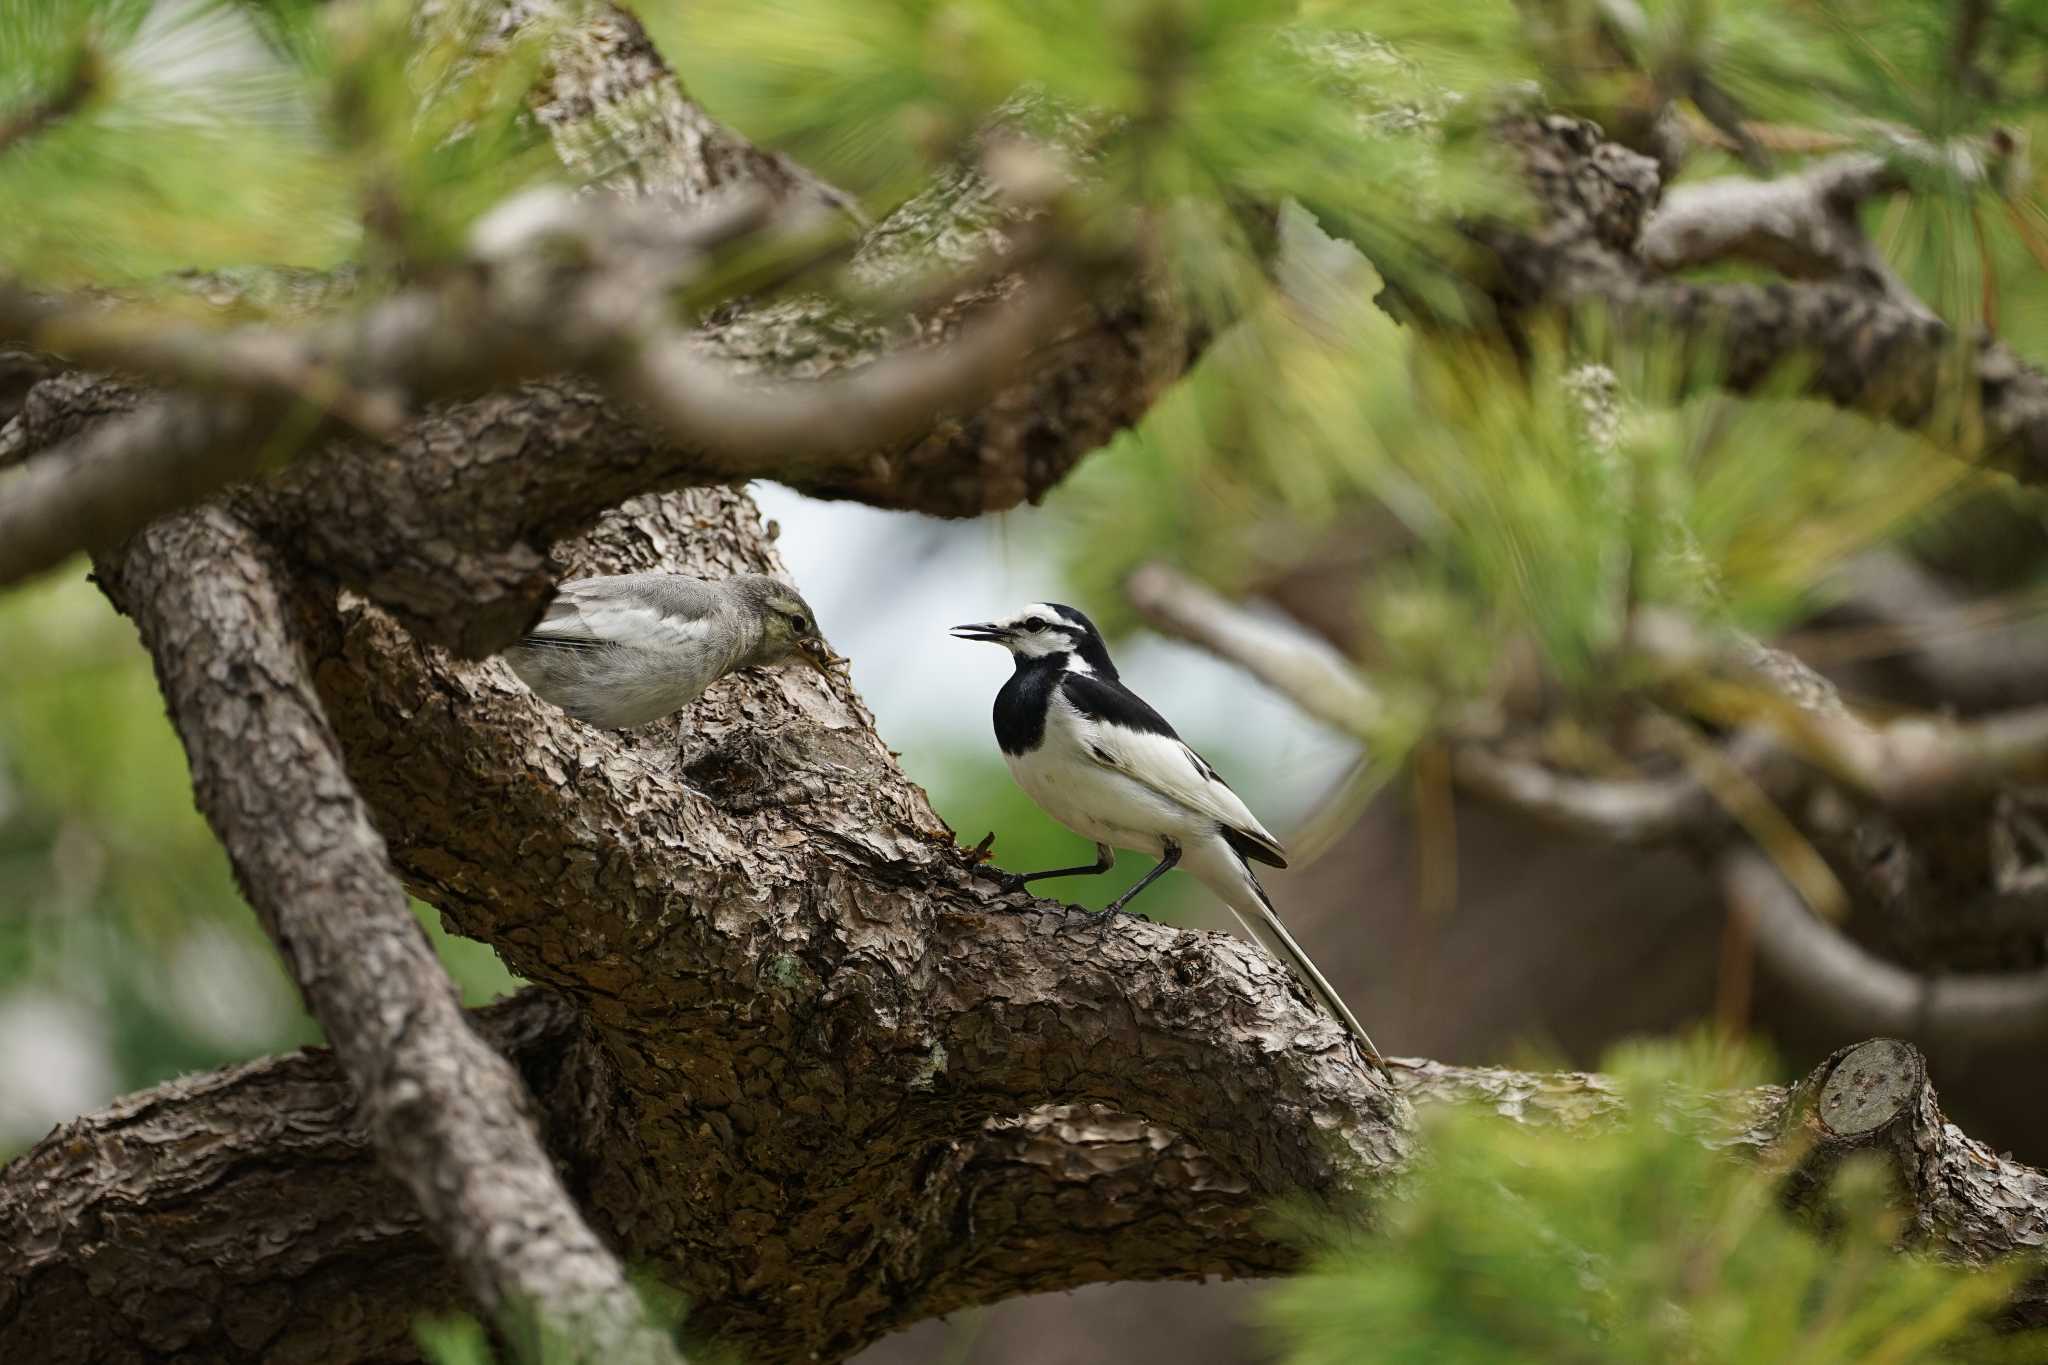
x,y
652,609
1126,734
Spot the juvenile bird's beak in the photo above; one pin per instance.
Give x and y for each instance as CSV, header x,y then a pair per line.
x,y
814,653
984,630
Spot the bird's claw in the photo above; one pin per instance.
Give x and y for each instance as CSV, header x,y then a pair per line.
x,y
1010,881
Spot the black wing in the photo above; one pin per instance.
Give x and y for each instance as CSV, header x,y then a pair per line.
x,y
1111,702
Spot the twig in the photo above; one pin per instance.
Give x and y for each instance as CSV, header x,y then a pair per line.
x,y
1906,763
1286,657
1804,226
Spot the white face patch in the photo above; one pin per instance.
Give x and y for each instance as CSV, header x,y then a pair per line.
x,y
1035,632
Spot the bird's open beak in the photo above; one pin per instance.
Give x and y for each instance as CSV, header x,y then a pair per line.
x,y
814,653
984,630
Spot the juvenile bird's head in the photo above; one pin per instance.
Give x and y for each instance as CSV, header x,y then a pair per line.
x,y
1046,630
788,626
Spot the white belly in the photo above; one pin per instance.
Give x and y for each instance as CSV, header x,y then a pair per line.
x,y
1099,803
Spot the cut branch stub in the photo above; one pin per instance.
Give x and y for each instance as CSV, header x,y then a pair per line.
x,y
1963,1201
1869,1086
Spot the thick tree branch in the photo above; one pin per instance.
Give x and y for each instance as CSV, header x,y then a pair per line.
x,y
794,967
267,1177
260,1193
449,1117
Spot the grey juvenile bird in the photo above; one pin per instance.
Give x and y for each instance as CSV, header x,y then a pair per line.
x,y
628,649
1100,761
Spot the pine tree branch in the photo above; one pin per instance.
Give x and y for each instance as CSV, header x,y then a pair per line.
x,y
1915,763
517,316
448,1117
1844,340
1304,669
260,1186
1804,226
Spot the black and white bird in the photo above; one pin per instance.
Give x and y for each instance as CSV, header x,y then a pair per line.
x,y
631,648
1099,760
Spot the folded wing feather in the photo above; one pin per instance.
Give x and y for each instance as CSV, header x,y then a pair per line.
x,y
588,613
1129,736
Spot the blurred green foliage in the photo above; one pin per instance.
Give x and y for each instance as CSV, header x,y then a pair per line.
x,y
1637,1243
1202,114
126,184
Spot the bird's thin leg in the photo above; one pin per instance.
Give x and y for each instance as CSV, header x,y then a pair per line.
x,y
1159,869
1105,858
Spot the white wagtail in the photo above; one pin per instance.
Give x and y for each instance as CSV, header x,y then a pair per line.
x,y
624,650
1100,761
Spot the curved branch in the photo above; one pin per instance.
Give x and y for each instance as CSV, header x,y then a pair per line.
x,y
1917,763
1299,665
1976,656
449,1117
1865,990
1620,810
266,390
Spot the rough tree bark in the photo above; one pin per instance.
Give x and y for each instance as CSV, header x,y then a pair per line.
x,y
794,1051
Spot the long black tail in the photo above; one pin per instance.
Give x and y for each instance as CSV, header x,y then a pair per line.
x,y
1265,928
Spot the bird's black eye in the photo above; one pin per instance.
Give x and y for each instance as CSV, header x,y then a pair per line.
x,y
798,624
1034,623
